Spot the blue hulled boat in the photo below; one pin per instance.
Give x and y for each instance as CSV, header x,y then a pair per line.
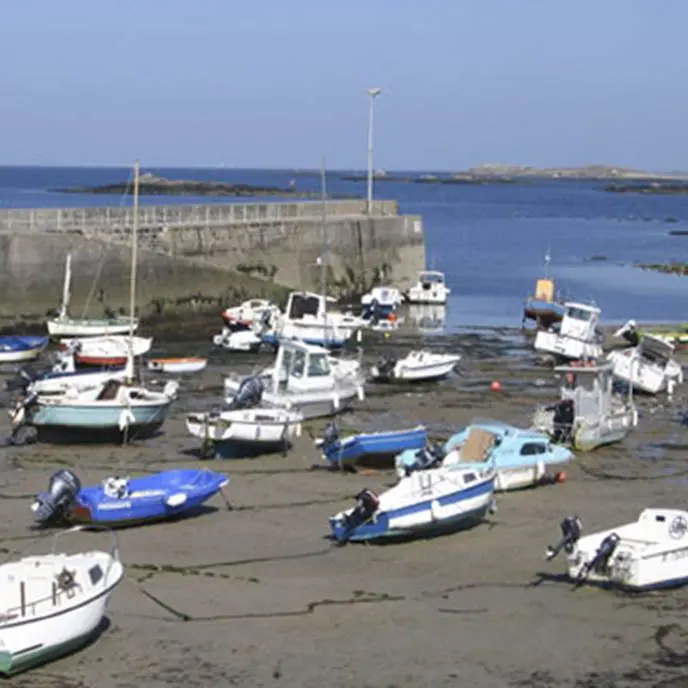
x,y
375,446
126,501
544,307
522,458
14,348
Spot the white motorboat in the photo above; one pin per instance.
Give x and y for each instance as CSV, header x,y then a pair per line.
x,y
648,554
382,301
53,604
238,340
589,414
416,366
101,351
245,431
304,380
249,314
65,326
648,365
430,288
426,502
312,319
190,364
576,337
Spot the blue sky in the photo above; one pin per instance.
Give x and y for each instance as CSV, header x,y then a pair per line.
x,y
281,83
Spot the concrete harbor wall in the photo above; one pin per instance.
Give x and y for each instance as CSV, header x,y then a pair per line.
x,y
195,254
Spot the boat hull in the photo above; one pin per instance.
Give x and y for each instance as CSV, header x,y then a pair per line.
x,y
427,297
644,376
544,313
374,447
85,327
566,348
177,365
15,348
21,355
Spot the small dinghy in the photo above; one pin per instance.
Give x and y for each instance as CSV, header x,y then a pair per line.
x,y
14,348
53,604
416,366
177,365
106,351
368,447
238,340
522,458
647,554
125,501
428,502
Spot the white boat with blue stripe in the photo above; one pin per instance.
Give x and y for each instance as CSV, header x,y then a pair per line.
x,y
424,503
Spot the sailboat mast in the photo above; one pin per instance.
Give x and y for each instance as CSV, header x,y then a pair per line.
x,y
323,258
66,286
134,252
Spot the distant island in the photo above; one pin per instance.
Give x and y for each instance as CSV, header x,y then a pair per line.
x,y
152,185
511,174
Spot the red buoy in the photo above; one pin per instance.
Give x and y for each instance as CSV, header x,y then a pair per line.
x,y
496,386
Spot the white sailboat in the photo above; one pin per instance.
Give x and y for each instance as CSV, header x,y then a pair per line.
x,y
115,408
65,326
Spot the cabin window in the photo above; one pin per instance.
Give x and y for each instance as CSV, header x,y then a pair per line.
x,y
286,361
318,365
469,478
298,366
579,314
532,448
95,573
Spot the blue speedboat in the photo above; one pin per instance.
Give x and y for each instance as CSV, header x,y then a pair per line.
x,y
126,501
522,458
426,502
14,348
374,446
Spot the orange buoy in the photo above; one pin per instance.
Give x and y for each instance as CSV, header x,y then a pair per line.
x,y
496,386
560,477
392,317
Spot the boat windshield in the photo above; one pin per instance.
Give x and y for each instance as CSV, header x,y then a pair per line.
x,y
579,313
318,365
298,366
431,278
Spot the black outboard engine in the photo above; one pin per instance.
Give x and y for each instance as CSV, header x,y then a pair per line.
x,y
564,415
601,558
367,503
21,381
330,435
571,528
428,457
249,394
385,367
53,505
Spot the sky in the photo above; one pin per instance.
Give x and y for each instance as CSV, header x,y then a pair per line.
x,y
282,84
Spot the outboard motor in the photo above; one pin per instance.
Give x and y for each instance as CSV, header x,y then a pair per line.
x,y
372,312
330,435
18,413
386,367
629,332
571,528
249,394
21,381
367,503
601,558
265,321
428,457
564,415
53,505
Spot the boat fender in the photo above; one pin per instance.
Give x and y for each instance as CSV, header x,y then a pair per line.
x,y
126,418
360,392
170,389
176,500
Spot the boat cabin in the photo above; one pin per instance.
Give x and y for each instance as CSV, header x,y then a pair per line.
x,y
580,321
589,387
307,305
655,351
430,278
302,367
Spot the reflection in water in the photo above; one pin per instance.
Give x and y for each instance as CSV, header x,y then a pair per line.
x,y
429,319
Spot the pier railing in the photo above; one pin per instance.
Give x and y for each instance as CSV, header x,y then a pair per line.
x,y
96,219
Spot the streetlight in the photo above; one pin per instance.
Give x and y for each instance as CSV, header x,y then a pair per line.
x,y
373,93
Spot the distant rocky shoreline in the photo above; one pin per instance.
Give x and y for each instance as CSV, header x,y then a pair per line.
x,y
152,185
653,188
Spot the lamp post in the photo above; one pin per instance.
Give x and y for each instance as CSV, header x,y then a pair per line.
x,y
373,93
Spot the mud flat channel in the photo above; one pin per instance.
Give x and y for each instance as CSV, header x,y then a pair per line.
x,y
257,597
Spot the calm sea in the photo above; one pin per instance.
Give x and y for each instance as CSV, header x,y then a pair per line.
x,y
489,240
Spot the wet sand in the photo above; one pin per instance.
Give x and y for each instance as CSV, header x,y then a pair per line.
x,y
257,596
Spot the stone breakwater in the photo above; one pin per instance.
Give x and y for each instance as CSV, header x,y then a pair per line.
x,y
201,255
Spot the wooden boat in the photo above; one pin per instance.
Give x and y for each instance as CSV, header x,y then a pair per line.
x,y
177,365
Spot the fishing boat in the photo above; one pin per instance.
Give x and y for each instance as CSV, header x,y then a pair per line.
x,y
576,337
381,301
54,604
304,380
65,326
416,366
107,351
14,348
648,364
647,554
368,447
244,432
177,365
113,410
119,502
431,288
522,458
427,502
589,413
544,307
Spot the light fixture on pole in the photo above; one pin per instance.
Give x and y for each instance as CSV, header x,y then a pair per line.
x,y
373,93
